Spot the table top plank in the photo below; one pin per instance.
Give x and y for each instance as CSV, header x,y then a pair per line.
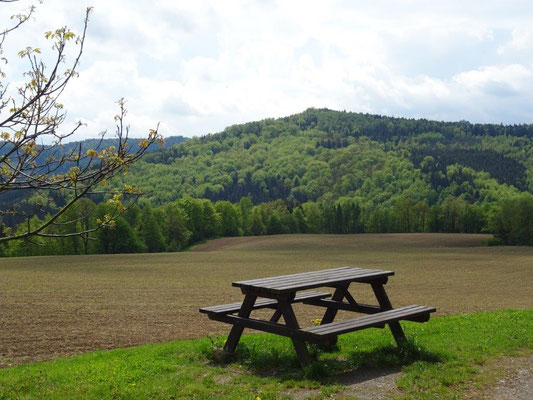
x,y
291,276
300,278
311,276
340,275
341,279
307,280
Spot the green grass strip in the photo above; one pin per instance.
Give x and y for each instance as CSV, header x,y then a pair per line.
x,y
442,357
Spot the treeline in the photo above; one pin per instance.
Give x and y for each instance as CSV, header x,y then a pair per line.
x,y
381,127
179,224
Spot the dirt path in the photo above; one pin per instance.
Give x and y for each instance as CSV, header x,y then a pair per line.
x,y
517,382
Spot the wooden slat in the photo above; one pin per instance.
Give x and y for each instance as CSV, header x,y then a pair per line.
x,y
308,280
311,276
271,327
363,322
348,273
261,303
330,281
344,305
290,276
293,278
368,321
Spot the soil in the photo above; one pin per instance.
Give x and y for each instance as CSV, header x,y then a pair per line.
x,y
364,241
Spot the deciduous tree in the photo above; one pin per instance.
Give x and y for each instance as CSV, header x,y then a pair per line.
x,y
33,130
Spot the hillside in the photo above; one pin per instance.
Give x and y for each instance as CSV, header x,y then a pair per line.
x,y
65,150
322,155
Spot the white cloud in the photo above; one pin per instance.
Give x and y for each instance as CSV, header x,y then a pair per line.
x,y
513,76
199,66
522,40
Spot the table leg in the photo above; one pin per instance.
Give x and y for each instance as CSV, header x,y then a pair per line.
x,y
331,313
276,316
292,322
236,331
385,305
350,299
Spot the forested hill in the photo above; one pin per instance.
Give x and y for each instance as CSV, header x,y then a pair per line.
x,y
320,171
322,155
65,150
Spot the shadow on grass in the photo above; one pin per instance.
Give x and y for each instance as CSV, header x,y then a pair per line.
x,y
355,366
361,375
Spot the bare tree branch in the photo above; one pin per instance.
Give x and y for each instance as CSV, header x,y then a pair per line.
x,y
35,115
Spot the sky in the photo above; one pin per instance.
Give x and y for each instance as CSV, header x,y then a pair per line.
x,y
196,67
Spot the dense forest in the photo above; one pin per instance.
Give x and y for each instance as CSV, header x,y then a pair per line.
x,y
322,155
325,171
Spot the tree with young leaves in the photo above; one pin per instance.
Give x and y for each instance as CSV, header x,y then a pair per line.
x,y
33,161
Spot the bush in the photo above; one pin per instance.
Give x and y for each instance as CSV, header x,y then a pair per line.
x,y
495,241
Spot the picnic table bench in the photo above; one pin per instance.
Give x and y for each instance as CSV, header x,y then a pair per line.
x,y
280,292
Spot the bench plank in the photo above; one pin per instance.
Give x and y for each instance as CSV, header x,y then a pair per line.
x,y
261,303
413,312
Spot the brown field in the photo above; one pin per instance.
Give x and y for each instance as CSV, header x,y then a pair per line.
x,y
58,306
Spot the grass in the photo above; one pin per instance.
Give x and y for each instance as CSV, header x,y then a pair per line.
x,y
61,306
440,360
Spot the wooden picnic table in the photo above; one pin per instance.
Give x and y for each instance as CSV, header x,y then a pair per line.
x,y
280,292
